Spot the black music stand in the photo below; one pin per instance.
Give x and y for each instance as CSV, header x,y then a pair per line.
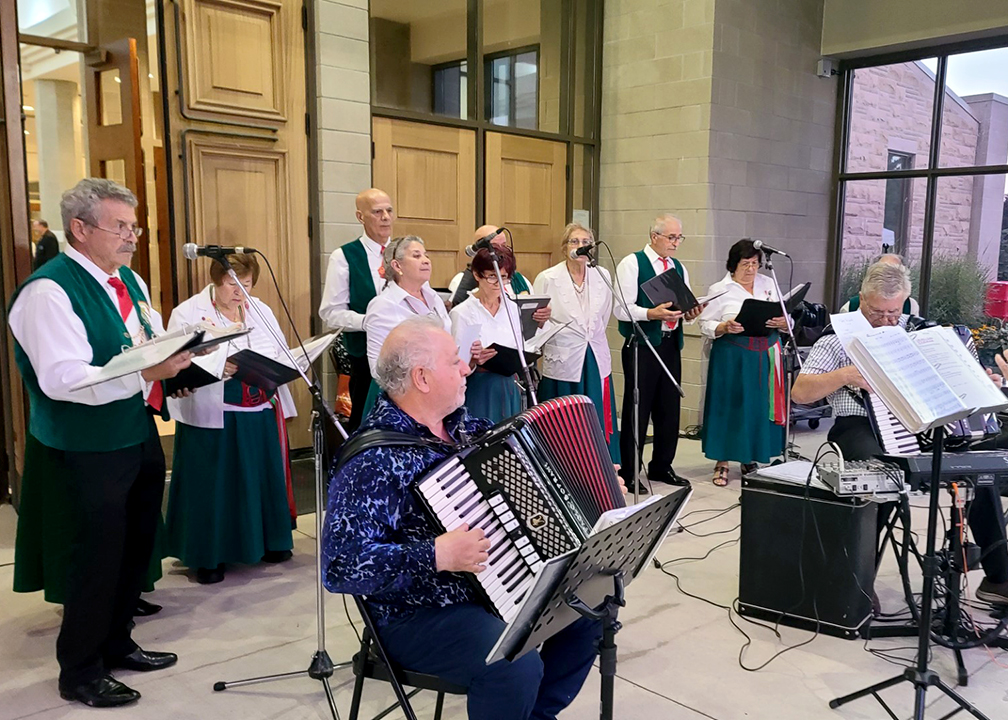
x,y
919,675
589,582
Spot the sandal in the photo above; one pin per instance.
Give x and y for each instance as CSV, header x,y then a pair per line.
x,y
720,478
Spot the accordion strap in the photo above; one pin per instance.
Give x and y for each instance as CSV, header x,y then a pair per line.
x,y
381,438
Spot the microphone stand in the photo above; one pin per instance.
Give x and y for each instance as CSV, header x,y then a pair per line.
x,y
788,367
515,329
636,339
322,666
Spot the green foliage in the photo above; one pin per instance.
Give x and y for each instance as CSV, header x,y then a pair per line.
x,y
851,275
958,290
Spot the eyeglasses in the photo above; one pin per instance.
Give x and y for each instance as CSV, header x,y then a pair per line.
x,y
749,264
125,232
673,238
492,279
580,242
873,314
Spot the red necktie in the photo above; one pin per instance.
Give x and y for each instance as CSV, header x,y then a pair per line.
x,y
156,397
671,325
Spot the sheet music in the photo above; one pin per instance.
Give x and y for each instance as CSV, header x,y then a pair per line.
x,y
314,348
957,366
139,358
535,343
901,375
847,325
467,335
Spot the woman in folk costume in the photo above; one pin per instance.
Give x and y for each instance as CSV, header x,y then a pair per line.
x,y
744,411
228,500
577,360
489,394
407,293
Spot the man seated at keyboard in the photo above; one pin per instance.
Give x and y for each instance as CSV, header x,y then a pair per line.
x,y
377,542
828,373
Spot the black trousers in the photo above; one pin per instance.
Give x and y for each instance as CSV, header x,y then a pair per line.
x,y
360,383
986,518
659,402
118,497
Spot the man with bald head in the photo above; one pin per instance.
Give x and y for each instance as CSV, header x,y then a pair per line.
x,y
377,542
463,283
352,281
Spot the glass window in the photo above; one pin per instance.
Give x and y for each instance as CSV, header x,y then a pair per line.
x,y
890,111
50,18
585,19
583,177
895,224
418,56
970,251
866,231
975,115
522,63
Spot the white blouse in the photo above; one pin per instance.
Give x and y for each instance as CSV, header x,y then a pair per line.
x,y
205,407
728,305
493,328
393,305
589,310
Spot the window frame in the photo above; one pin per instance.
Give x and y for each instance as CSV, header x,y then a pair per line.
x,y
932,172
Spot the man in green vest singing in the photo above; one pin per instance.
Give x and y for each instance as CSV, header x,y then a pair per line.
x,y
659,401
352,281
68,319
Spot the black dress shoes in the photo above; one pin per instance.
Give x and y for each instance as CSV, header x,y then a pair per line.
x,y
144,608
277,556
104,692
144,661
669,477
209,576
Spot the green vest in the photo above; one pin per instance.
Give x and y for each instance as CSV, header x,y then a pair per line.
x,y
519,284
651,328
362,291
855,303
75,426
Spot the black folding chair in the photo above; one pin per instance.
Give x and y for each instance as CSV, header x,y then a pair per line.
x,y
372,662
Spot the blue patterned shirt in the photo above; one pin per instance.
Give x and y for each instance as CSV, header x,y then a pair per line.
x,y
376,539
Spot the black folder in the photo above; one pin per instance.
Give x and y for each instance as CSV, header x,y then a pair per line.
x,y
507,362
192,378
263,372
754,313
670,287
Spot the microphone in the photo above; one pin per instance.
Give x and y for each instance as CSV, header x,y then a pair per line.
x,y
767,250
582,251
484,242
191,251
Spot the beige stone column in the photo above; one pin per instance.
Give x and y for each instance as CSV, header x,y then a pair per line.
x,y
58,147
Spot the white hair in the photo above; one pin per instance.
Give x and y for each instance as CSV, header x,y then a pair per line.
x,y
885,280
406,348
659,223
82,201
396,250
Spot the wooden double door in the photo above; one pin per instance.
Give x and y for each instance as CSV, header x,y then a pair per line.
x,y
430,173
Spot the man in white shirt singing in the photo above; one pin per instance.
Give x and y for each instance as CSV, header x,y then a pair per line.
x,y
659,400
352,281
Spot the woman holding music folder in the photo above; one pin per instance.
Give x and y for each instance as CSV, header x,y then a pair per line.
x,y
577,361
492,391
407,293
228,500
744,413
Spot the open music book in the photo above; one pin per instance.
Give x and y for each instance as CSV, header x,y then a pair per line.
x,y
268,373
192,338
926,378
507,362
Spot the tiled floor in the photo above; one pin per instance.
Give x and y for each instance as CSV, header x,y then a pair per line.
x,y
678,656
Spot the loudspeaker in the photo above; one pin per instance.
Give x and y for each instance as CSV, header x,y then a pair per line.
x,y
792,573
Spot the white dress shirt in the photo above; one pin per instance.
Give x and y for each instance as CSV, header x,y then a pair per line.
x,y
728,305
205,406
626,279
55,340
391,307
564,354
335,307
493,328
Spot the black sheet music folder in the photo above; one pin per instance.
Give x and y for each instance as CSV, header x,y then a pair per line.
x,y
754,313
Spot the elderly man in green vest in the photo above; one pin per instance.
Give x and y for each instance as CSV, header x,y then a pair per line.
x,y
352,281
68,319
659,401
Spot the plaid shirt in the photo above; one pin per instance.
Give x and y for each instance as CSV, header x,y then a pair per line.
x,y
828,355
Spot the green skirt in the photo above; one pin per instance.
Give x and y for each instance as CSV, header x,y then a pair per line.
x,y
492,396
227,501
590,384
736,420
47,524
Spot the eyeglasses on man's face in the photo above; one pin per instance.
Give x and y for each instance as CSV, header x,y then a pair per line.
x,y
123,231
672,238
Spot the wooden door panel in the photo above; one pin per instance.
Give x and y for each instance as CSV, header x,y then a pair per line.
x,y
430,174
526,192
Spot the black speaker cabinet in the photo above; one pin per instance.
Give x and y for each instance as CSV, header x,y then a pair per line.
x,y
778,549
